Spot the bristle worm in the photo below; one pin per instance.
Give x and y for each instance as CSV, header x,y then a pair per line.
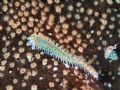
x,y
49,47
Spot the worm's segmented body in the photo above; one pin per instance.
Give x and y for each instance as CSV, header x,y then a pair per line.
x,y
51,48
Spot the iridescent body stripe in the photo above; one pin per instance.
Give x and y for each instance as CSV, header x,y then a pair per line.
x,y
49,47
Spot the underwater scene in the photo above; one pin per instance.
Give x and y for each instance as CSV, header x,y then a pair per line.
x,y
59,44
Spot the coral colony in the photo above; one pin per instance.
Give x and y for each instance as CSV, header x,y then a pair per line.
x,y
59,44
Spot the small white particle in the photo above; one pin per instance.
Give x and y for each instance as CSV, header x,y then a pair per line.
x,y
40,78
109,85
54,75
10,71
55,69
